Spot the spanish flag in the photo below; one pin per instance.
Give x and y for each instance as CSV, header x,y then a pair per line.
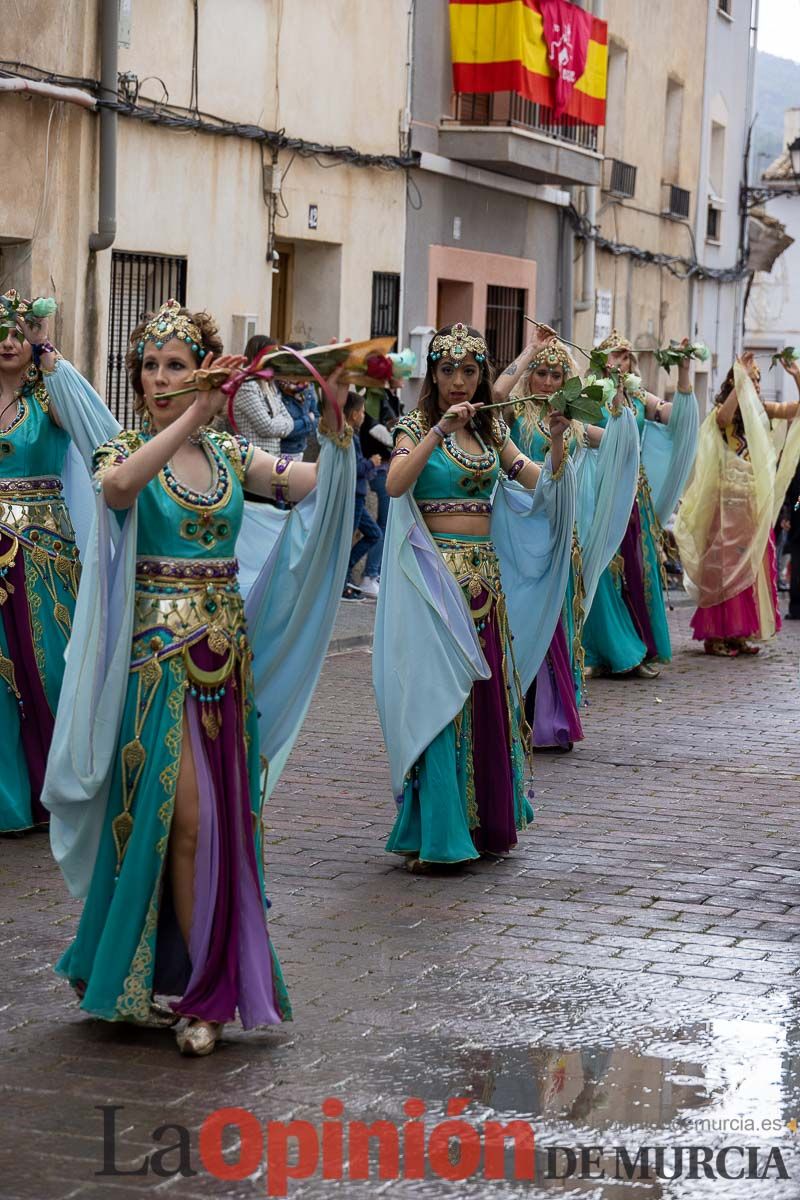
x,y
501,46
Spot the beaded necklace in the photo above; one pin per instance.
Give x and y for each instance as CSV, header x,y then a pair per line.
x,y
476,464
26,388
219,488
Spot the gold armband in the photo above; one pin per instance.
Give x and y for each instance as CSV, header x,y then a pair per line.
x,y
519,464
279,481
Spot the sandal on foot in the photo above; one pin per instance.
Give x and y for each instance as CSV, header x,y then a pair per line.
x,y
720,649
646,670
199,1038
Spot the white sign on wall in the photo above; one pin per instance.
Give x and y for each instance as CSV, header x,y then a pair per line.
x,y
124,34
603,314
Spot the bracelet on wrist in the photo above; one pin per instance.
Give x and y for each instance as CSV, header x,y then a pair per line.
x,y
440,433
40,348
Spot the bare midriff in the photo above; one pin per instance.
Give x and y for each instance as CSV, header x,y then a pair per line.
x,y
476,525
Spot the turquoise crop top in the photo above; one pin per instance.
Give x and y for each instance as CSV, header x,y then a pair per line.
x,y
635,403
33,445
537,444
451,474
175,522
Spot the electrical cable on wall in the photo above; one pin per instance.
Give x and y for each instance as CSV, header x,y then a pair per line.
x,y
681,268
176,117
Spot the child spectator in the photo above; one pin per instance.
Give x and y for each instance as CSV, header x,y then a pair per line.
x,y
381,409
371,536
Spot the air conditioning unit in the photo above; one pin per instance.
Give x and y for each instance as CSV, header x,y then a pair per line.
x,y
619,178
676,202
243,327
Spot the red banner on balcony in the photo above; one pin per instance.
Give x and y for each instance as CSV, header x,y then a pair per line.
x,y
502,46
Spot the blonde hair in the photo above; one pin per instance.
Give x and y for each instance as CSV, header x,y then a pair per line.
x,y
526,413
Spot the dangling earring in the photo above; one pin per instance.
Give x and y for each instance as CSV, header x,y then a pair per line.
x,y
147,423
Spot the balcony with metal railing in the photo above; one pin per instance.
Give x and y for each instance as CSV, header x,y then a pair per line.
x,y
505,132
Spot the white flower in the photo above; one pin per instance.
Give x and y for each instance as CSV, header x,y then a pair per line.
x,y
609,390
701,351
632,382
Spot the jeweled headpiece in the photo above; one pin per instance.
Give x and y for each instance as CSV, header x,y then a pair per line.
x,y
12,299
615,341
168,323
553,354
457,344
33,312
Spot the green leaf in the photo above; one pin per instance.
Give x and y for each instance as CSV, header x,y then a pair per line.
x,y
585,409
787,355
558,401
598,361
573,387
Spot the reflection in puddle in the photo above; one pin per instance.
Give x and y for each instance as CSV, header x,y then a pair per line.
x,y
722,1084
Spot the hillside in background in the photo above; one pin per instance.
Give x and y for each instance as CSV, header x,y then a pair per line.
x,y
777,88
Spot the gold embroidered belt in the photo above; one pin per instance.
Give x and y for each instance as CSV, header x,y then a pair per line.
x,y
474,565
33,514
179,601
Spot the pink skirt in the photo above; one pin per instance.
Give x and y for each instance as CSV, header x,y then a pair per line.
x,y
738,617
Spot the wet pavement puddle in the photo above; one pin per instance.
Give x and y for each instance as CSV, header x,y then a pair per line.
x,y
710,1109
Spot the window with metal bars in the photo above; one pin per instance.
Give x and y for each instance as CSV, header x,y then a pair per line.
x,y
140,283
621,178
677,201
505,322
385,321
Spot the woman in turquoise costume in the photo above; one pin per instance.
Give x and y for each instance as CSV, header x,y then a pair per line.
x,y
195,652
626,631
470,557
50,419
607,467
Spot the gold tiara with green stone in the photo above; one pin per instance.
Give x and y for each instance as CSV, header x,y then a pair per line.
x,y
457,344
616,341
553,354
169,323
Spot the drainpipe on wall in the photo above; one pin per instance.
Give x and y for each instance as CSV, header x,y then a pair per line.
x,y
740,303
566,268
588,285
107,223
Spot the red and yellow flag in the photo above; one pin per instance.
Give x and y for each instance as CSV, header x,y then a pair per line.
x,y
500,46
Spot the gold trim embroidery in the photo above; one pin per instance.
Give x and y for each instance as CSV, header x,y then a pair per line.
x,y
134,1000
134,756
7,673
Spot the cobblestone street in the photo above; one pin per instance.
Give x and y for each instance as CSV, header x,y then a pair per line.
x,y
628,977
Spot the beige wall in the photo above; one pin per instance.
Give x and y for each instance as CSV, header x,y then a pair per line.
x,y
651,305
202,196
478,272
